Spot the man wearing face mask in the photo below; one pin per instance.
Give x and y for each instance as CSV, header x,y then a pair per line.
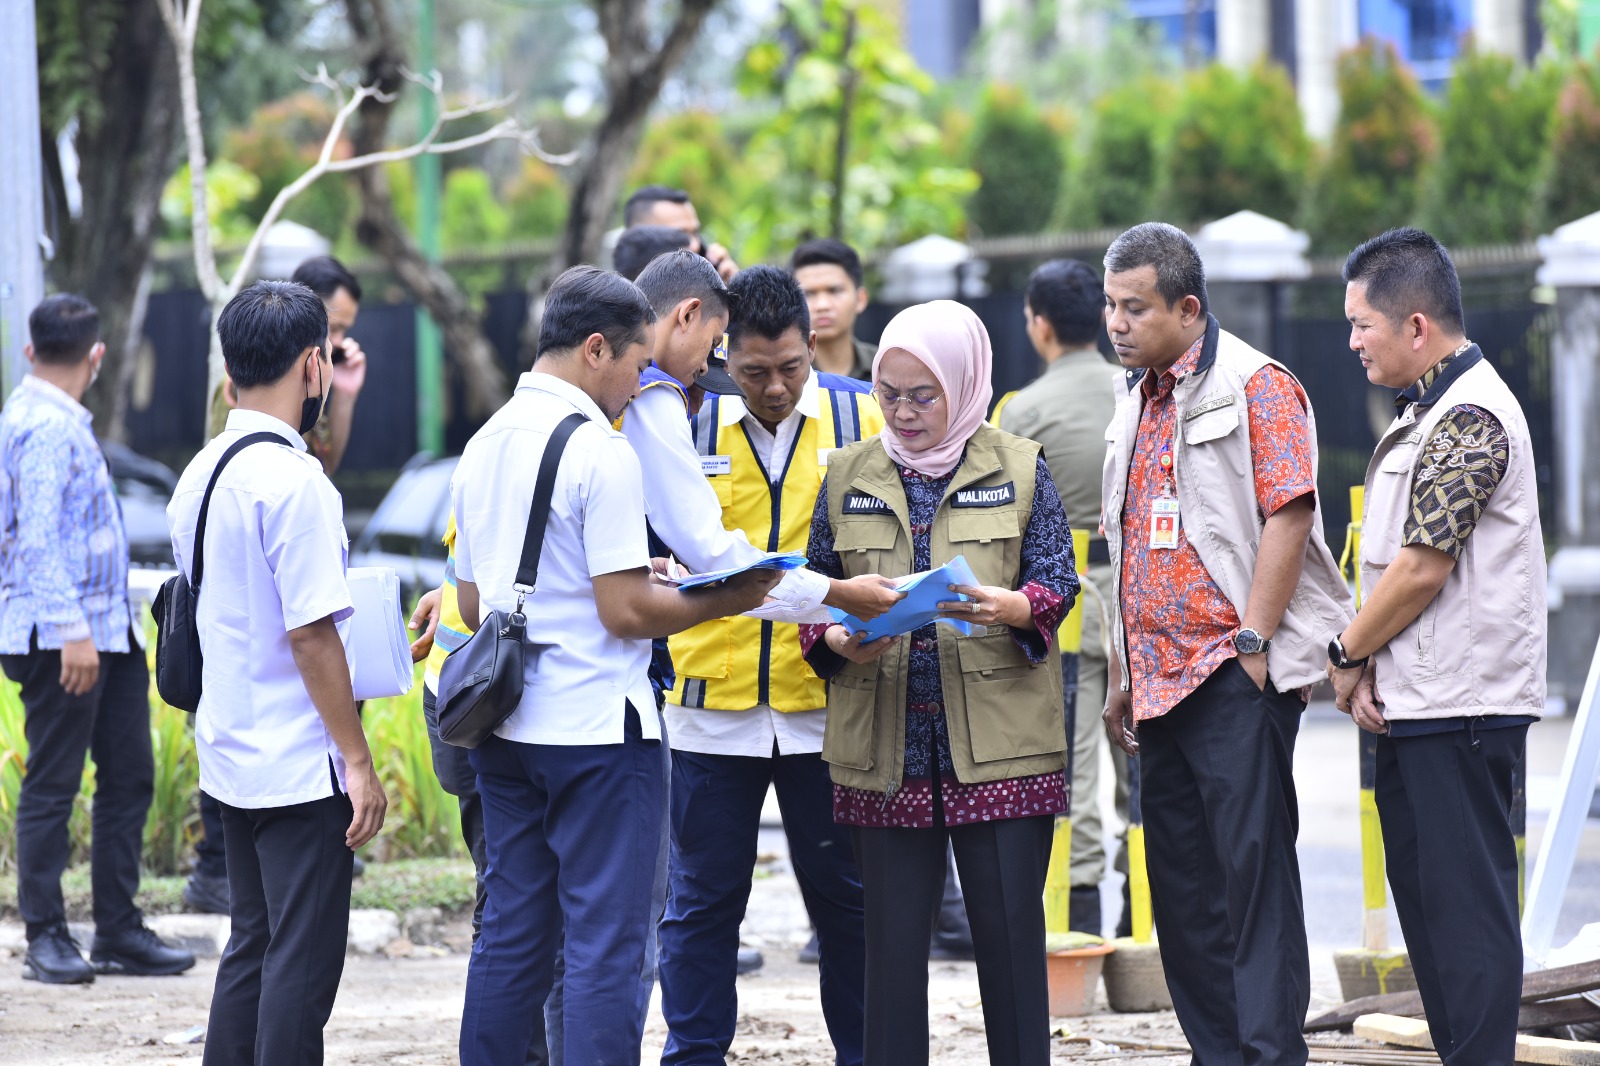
x,y
280,744
65,637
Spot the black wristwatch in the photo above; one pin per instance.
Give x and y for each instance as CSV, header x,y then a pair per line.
x,y
1342,661
1249,642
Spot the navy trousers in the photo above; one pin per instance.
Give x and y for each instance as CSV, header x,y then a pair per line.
x,y
571,834
716,817
1220,818
1445,803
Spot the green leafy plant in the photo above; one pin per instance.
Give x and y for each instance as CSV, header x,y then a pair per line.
x,y
1571,187
1238,143
1019,156
1114,179
690,150
1385,136
1494,135
536,200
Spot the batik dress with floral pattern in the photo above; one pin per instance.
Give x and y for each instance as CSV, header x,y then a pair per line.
x,y
930,795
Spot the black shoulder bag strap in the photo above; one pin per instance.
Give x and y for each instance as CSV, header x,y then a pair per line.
x,y
234,449
539,514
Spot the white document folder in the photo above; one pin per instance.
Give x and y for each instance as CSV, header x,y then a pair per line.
x,y
377,646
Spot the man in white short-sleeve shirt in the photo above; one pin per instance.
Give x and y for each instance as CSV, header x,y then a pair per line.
x,y
280,743
572,781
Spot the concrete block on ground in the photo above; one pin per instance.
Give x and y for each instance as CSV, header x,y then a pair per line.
x,y
1363,972
372,930
206,935
1135,980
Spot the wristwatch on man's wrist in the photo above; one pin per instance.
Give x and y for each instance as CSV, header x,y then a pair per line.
x,y
1249,642
1341,659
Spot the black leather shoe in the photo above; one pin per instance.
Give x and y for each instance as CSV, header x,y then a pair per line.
x,y
1083,910
53,958
811,954
138,953
206,895
750,960
357,867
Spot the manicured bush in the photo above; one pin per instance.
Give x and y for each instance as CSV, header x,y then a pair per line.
x,y
1237,143
1019,156
1370,178
1113,181
690,150
1571,187
536,200
1494,134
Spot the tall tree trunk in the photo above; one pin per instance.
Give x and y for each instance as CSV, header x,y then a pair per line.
x,y
635,70
127,149
378,227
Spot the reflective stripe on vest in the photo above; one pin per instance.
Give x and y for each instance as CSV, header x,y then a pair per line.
x,y
733,664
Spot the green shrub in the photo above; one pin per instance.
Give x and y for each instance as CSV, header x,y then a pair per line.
x,y
1494,133
1369,181
537,201
1571,187
690,150
1114,180
1238,143
281,143
1018,155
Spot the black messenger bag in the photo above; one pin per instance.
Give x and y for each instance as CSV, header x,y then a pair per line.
x,y
480,683
178,660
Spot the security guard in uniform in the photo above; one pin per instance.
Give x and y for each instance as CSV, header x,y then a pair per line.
x,y
746,711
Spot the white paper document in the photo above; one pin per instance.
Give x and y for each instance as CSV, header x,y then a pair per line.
x,y
376,643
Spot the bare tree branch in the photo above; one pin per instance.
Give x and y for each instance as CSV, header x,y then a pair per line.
x,y
183,20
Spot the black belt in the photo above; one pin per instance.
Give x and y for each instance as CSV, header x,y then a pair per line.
x,y
1098,552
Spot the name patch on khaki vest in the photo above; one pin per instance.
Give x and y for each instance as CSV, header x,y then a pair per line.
x,y
861,503
990,496
1210,405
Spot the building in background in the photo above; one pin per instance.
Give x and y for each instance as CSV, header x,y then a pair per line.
x,y
1303,36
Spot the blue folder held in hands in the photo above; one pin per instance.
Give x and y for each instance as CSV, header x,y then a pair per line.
x,y
784,561
924,592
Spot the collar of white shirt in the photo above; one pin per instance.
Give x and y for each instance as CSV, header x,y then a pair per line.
x,y
243,421
55,394
565,390
733,409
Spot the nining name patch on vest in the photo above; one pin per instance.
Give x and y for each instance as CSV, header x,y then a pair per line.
x,y
989,496
861,503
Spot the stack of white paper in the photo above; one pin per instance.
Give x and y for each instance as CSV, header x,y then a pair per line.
x,y
376,643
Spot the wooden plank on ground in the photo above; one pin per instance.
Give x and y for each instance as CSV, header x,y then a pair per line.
x,y
1393,1029
1538,986
1571,1011
1561,981
1400,1004
1546,1052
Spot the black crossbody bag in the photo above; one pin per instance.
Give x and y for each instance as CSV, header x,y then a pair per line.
x,y
480,683
178,660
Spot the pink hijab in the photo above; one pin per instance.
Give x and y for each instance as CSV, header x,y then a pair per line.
x,y
951,342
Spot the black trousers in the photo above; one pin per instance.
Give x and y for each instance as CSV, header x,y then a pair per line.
x,y
1445,803
289,895
210,854
1002,866
1220,820
110,724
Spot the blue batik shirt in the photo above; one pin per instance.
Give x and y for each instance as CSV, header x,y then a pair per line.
x,y
63,549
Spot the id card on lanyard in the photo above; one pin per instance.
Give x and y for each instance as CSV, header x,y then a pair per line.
x,y
1164,518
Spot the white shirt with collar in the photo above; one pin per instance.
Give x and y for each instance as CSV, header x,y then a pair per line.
x,y
275,561
685,513
579,678
759,731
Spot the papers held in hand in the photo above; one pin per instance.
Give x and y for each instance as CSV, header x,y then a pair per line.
x,y
924,592
775,561
376,644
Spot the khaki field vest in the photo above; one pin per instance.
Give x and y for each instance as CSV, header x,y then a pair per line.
x,y
1218,509
1004,713
1479,647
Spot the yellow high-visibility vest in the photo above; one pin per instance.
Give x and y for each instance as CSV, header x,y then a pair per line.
x,y
733,664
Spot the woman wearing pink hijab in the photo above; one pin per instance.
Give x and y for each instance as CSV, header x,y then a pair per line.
x,y
934,735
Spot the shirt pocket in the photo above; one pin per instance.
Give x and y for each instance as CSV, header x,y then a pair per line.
x,y
990,541
1212,425
866,544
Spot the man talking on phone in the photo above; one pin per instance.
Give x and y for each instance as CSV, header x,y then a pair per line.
x,y
341,295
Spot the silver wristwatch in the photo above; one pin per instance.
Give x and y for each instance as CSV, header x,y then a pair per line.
x,y
1249,642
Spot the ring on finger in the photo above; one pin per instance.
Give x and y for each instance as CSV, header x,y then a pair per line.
x,y
973,607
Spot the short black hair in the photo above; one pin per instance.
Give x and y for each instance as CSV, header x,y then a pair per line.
x,y
63,328
682,275
586,300
1069,295
325,275
826,251
1407,271
768,302
639,245
267,327
642,200
1179,271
